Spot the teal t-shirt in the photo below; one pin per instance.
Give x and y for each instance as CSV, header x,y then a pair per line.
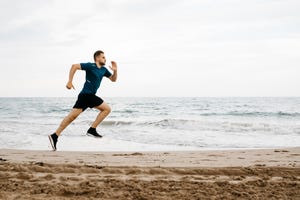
x,y
93,77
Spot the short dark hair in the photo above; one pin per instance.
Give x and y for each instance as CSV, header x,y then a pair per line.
x,y
98,53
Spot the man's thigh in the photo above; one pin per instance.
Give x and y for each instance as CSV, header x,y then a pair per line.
x,y
103,106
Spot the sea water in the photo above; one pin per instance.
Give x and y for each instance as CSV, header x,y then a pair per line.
x,y
154,124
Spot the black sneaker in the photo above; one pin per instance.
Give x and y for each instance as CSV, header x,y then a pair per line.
x,y
93,133
53,140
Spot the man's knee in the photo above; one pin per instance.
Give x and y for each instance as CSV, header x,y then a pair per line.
x,y
108,109
104,108
73,116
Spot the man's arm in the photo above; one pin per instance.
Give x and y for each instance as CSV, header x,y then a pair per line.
x,y
73,69
114,67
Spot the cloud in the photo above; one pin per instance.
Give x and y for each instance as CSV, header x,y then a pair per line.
x,y
172,48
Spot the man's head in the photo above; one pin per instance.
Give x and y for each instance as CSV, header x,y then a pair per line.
x,y
99,57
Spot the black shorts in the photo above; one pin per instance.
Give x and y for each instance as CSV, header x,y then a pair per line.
x,y
87,100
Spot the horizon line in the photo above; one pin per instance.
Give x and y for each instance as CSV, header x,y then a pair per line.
x,y
155,96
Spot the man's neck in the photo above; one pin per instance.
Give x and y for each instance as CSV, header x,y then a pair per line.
x,y
98,65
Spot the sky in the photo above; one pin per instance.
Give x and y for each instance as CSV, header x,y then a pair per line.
x,y
199,48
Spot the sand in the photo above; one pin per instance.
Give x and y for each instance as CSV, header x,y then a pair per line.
x,y
230,174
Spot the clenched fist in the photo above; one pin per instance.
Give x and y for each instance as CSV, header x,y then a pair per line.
x,y
70,85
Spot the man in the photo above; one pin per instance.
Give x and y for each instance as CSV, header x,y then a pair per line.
x,y
87,98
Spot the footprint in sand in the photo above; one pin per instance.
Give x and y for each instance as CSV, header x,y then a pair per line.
x,y
279,150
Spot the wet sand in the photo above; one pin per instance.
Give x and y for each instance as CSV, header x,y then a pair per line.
x,y
230,174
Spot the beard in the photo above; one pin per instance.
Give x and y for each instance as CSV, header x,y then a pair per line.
x,y
101,63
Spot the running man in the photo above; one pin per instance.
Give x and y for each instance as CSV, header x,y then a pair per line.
x,y
87,98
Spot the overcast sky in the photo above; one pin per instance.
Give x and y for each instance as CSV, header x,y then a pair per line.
x,y
162,47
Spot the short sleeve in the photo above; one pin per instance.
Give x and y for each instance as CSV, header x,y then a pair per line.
x,y
107,73
85,66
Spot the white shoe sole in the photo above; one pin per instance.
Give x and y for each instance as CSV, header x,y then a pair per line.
x,y
88,134
52,143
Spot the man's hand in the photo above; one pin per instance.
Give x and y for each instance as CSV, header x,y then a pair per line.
x,y
70,85
113,66
71,75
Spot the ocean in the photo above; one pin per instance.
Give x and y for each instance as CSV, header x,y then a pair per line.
x,y
154,124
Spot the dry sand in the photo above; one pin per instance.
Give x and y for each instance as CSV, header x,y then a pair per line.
x,y
230,174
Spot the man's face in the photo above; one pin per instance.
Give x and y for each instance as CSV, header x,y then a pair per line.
x,y
101,60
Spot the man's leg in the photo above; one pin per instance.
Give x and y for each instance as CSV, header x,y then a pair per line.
x,y
65,122
68,119
104,111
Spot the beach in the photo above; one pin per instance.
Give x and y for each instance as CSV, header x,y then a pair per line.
x,y
207,174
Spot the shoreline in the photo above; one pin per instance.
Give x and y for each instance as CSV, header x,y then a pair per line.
x,y
211,174
279,157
